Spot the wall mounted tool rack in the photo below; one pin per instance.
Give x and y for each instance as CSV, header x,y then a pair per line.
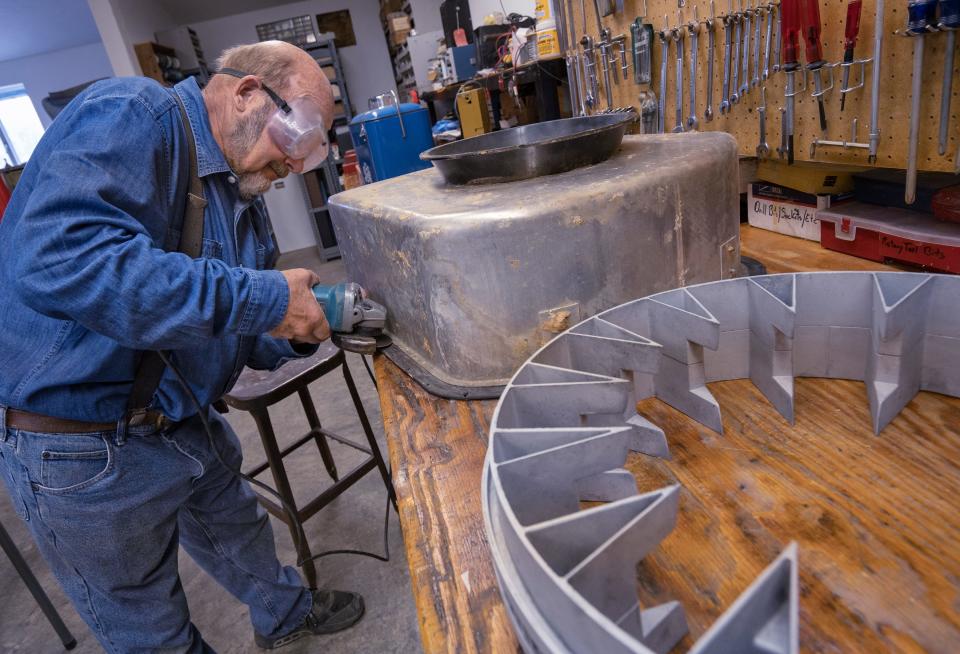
x,y
742,121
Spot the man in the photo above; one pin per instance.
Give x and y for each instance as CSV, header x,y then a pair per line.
x,y
91,281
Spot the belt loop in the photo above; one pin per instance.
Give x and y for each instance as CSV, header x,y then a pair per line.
x,y
3,424
121,436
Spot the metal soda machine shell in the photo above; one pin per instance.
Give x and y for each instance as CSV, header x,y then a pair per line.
x,y
389,140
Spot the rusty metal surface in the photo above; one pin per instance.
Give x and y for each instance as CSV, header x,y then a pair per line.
x,y
546,148
477,278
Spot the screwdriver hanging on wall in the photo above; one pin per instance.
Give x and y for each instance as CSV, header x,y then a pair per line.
x,y
920,19
949,22
850,33
814,53
790,13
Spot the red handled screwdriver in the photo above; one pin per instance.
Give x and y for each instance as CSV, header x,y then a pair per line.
x,y
814,52
849,43
790,17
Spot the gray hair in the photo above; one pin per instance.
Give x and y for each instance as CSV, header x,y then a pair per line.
x,y
271,61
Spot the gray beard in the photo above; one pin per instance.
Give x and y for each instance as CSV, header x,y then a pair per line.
x,y
241,140
252,184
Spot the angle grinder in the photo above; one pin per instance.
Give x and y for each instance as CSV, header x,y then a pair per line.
x,y
356,322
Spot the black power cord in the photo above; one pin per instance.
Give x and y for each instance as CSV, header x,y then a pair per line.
x,y
290,510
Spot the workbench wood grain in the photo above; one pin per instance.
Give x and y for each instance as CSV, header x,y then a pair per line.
x,y
437,449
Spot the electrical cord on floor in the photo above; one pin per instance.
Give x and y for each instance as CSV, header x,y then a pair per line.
x,y
290,510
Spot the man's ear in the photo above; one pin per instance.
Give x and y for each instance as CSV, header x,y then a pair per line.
x,y
243,94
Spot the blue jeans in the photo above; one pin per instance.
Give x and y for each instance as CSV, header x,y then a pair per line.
x,y
109,511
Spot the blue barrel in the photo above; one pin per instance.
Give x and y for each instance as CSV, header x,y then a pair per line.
x,y
382,149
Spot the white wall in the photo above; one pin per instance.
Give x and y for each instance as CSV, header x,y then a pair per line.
x,y
367,66
124,23
56,71
426,15
480,8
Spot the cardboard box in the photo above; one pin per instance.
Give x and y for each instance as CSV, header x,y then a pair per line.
x,y
398,24
786,211
809,176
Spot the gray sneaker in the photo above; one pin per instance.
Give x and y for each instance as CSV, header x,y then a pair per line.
x,y
333,610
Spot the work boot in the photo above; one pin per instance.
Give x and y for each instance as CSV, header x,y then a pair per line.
x,y
333,610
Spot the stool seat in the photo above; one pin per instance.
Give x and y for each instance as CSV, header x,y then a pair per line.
x,y
258,388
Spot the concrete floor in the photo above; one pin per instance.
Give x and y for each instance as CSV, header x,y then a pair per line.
x,y
354,520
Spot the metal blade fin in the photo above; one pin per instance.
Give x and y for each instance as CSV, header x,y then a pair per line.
x,y
563,404
773,302
895,366
542,486
597,549
607,486
765,619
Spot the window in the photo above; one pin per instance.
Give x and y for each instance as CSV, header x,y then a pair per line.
x,y
20,128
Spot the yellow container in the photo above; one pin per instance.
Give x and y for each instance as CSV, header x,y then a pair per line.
x,y
548,44
541,10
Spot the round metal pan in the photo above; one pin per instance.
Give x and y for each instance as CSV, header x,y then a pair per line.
x,y
545,148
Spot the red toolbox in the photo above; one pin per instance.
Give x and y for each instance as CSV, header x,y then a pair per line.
x,y
890,234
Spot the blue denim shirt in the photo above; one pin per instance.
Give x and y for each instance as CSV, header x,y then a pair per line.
x,y
90,275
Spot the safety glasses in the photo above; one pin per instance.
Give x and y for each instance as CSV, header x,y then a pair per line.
x,y
297,127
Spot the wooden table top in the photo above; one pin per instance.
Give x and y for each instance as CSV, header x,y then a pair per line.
x,y
437,448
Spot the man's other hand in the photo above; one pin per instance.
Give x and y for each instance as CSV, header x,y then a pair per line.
x,y
304,320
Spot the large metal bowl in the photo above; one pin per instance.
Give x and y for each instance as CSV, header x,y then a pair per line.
x,y
545,148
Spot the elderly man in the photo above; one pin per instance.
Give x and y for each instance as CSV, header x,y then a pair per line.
x,y
108,257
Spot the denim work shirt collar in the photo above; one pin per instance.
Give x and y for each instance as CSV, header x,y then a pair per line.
x,y
210,157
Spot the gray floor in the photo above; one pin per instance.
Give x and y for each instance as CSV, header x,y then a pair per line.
x,y
354,520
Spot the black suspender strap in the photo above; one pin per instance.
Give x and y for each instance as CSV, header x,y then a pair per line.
x,y
150,368
191,239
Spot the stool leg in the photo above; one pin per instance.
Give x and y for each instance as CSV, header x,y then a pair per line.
x,y
275,462
20,565
318,436
371,439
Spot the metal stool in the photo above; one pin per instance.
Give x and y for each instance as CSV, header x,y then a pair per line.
x,y
257,390
20,565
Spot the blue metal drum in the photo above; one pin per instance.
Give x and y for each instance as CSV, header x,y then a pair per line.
x,y
384,150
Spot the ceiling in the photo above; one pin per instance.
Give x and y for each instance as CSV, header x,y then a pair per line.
x,y
31,27
191,11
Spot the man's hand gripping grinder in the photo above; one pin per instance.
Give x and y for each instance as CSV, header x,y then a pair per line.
x,y
356,322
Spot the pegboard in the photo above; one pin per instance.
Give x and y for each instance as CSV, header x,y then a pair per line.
x,y
743,122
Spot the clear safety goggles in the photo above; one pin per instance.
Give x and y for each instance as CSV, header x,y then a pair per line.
x,y
297,127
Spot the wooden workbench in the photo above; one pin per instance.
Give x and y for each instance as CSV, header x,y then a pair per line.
x,y
437,448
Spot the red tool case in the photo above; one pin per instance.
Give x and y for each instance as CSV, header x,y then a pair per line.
x,y
890,234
